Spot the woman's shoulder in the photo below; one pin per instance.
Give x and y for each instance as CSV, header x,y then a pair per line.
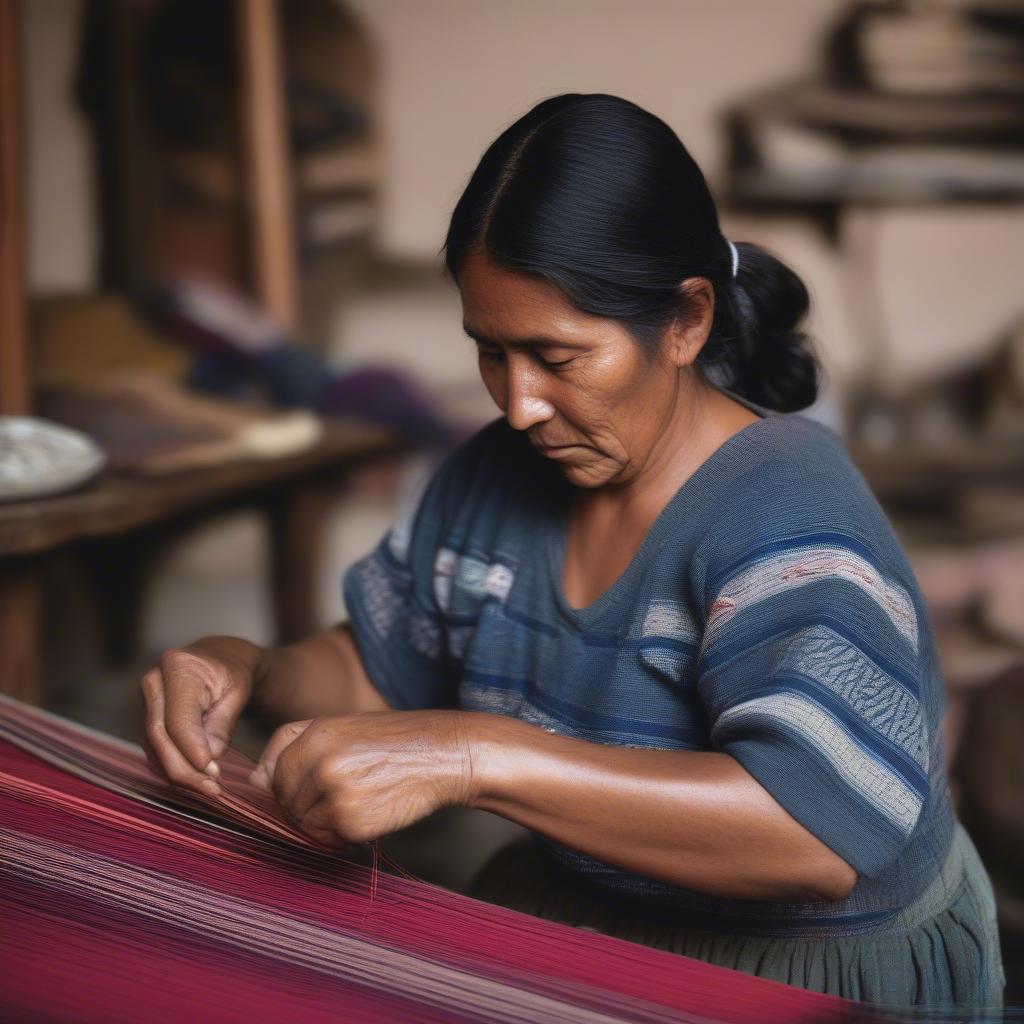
x,y
796,487
797,465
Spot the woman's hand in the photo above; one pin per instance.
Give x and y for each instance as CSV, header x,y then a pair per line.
x,y
193,700
352,778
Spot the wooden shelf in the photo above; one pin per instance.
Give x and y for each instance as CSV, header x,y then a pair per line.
x,y
865,116
889,150
344,168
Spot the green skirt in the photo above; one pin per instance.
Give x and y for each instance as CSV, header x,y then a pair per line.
x,y
941,953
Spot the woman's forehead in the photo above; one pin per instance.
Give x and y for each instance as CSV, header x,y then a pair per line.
x,y
499,304
490,289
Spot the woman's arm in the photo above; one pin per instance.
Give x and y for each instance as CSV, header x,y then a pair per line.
x,y
321,675
693,819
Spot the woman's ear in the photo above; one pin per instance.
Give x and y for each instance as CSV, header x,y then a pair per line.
x,y
687,334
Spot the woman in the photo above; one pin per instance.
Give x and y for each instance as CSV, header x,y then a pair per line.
x,y
646,613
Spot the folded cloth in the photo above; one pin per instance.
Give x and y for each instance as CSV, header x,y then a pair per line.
x,y
239,347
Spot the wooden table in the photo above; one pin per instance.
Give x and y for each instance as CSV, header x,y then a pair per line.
x,y
117,523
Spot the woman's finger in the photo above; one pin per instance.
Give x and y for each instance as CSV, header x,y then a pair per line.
x,y
320,823
151,758
264,774
219,723
183,717
307,791
170,760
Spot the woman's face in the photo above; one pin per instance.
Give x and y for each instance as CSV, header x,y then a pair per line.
x,y
587,394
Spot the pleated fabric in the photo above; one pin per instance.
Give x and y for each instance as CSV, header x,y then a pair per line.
x,y
939,955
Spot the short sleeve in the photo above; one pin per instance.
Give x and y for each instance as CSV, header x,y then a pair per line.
x,y
391,608
809,670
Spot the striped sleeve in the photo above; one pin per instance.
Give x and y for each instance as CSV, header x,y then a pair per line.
x,y
809,669
391,607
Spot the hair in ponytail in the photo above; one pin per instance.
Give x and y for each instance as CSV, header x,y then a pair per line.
x,y
600,198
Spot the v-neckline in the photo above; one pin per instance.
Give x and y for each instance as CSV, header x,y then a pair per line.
x,y
557,538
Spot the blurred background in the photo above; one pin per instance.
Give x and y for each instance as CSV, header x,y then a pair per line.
x,y
219,236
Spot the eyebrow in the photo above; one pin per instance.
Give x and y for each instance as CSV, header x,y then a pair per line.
x,y
535,342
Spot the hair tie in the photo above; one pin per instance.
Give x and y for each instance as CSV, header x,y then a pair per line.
x,y
735,257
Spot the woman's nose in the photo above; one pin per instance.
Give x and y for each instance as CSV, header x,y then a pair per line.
x,y
525,406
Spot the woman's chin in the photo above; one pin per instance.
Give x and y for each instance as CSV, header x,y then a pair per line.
x,y
587,474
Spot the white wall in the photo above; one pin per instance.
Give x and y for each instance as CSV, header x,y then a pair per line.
x,y
454,73
457,72
62,245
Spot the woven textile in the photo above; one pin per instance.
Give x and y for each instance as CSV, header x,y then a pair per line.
x,y
124,900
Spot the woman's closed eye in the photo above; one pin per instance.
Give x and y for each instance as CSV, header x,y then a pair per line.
x,y
559,362
497,356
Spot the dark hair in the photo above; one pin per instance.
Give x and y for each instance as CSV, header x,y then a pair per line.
x,y
600,198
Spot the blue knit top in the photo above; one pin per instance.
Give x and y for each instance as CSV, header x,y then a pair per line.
x,y
770,613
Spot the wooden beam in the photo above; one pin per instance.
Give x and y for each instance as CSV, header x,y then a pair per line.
x,y
267,159
15,395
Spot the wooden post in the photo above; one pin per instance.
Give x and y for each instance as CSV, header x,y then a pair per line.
x,y
20,672
14,375
19,587
267,164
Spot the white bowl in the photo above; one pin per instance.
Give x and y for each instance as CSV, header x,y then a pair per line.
x,y
38,457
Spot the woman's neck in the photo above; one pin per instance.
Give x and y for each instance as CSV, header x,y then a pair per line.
x,y
703,419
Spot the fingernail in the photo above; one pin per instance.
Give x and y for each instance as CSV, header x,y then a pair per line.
x,y
209,787
213,769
